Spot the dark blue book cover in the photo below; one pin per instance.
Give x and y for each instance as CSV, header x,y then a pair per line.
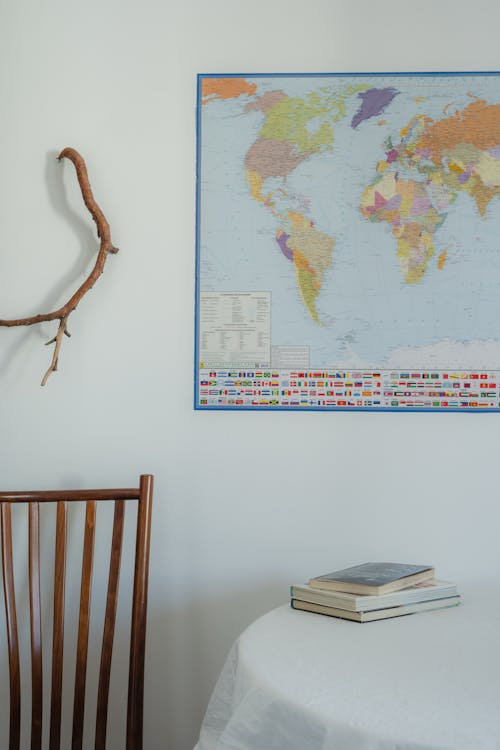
x,y
376,575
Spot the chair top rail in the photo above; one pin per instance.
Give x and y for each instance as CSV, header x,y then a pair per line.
x,y
51,496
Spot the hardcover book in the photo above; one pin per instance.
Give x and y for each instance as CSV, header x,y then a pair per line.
x,y
377,614
373,578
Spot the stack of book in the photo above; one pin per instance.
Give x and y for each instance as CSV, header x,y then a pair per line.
x,y
374,591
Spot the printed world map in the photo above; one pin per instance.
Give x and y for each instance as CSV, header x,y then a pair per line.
x,y
365,210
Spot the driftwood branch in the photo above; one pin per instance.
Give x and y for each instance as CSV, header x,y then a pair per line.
x,y
103,232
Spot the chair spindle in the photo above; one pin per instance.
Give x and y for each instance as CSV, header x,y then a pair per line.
x,y
139,606
58,631
35,626
83,626
109,625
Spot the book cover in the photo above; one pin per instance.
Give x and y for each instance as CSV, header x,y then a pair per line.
x,y
423,591
377,614
373,578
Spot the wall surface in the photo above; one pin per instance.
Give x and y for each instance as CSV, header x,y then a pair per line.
x,y
244,503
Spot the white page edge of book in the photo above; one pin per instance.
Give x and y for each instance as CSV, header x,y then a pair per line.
x,y
368,602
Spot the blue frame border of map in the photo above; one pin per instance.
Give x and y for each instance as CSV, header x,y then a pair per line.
x,y
228,387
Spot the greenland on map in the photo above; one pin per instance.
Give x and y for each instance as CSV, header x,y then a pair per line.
x,y
348,242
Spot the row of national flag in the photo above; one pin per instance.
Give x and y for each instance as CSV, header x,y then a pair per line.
x,y
472,390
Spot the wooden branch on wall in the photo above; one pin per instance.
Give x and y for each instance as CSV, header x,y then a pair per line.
x,y
103,232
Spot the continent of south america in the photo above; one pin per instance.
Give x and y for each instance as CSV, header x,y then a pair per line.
x,y
311,253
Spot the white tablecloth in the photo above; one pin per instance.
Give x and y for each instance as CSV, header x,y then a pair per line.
x,y
300,681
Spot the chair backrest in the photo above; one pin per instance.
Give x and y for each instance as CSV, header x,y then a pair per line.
x,y
143,495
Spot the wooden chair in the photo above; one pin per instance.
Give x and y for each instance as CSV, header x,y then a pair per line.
x,y
143,495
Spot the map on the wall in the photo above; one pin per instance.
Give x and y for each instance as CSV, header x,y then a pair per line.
x,y
348,242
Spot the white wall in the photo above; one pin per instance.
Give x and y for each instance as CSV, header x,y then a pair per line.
x,y
245,503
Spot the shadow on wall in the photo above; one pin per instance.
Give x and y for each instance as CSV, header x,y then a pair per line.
x,y
186,648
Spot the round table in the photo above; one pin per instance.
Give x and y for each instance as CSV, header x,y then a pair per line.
x,y
300,681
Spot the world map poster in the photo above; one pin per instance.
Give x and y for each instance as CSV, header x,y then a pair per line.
x,y
348,242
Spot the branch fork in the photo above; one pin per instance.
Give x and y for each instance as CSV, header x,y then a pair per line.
x,y
106,247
